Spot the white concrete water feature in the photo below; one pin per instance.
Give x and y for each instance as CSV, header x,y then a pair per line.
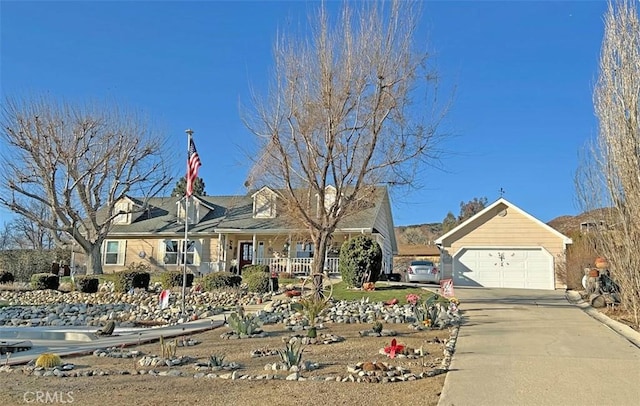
x,y
66,341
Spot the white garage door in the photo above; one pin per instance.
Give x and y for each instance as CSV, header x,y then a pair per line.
x,y
528,268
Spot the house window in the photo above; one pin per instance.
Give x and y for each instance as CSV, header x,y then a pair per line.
x,y
304,250
121,210
174,252
264,205
114,252
194,211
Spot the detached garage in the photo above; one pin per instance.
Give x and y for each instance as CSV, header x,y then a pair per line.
x,y
503,247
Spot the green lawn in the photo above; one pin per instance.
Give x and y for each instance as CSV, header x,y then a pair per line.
x,y
383,292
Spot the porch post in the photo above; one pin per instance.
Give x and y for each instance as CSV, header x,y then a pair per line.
x,y
254,248
220,252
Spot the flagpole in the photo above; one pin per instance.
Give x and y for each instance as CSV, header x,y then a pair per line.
x,y
186,225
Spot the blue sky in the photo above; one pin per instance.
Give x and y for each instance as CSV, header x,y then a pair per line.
x,y
522,72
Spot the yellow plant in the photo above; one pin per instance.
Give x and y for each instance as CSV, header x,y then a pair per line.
x,y
48,360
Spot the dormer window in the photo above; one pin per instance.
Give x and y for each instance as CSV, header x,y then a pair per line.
x,y
194,211
264,203
330,196
122,213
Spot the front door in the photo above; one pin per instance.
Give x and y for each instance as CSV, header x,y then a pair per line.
x,y
246,254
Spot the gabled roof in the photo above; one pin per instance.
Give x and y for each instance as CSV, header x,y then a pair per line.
x,y
491,207
231,214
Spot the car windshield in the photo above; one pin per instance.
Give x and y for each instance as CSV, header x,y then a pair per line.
x,y
423,263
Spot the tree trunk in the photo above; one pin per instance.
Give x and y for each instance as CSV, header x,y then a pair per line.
x,y
319,253
94,260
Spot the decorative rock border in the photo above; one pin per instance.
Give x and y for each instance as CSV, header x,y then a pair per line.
x,y
204,367
154,361
383,333
322,338
117,352
232,335
263,352
304,366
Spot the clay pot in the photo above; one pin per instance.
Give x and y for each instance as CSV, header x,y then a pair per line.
x,y
601,263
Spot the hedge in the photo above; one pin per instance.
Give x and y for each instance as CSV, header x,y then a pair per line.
x,y
256,277
127,280
360,261
87,284
170,279
220,280
6,277
41,281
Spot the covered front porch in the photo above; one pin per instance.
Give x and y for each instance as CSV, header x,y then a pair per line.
x,y
282,253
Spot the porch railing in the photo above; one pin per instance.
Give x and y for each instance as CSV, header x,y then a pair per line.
x,y
297,266
207,267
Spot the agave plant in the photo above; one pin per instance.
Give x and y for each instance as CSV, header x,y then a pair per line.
x,y
216,360
291,355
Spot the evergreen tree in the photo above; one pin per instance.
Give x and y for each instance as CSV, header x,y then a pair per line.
x,y
181,187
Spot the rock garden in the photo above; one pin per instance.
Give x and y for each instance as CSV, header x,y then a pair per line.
x,y
284,338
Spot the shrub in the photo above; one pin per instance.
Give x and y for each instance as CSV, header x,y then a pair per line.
x,y
256,277
255,268
6,277
220,280
285,275
87,284
41,281
360,261
136,276
172,279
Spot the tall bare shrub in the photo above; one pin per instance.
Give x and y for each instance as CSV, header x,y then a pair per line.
x,y
609,175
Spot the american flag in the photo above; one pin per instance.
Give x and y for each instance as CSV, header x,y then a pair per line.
x,y
193,163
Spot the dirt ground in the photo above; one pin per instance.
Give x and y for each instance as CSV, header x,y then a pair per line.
x,y
116,389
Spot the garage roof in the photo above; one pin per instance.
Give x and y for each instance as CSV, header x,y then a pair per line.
x,y
502,201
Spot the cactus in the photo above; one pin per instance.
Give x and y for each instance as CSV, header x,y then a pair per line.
x,y
291,355
243,324
48,360
216,360
168,348
377,327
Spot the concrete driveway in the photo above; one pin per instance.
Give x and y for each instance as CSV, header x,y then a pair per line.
x,y
534,347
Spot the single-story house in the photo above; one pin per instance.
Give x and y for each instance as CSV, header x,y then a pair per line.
x,y
503,246
228,232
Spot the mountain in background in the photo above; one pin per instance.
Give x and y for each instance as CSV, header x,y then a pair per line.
x,y
426,234
418,234
571,224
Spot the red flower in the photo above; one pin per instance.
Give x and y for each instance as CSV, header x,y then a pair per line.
x,y
393,349
391,302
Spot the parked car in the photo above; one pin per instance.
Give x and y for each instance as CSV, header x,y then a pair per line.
x,y
422,271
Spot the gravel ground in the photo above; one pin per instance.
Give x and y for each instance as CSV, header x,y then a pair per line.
x,y
18,388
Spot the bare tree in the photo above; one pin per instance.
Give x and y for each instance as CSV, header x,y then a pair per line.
x,y
609,175
7,238
414,236
353,106
77,161
30,234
